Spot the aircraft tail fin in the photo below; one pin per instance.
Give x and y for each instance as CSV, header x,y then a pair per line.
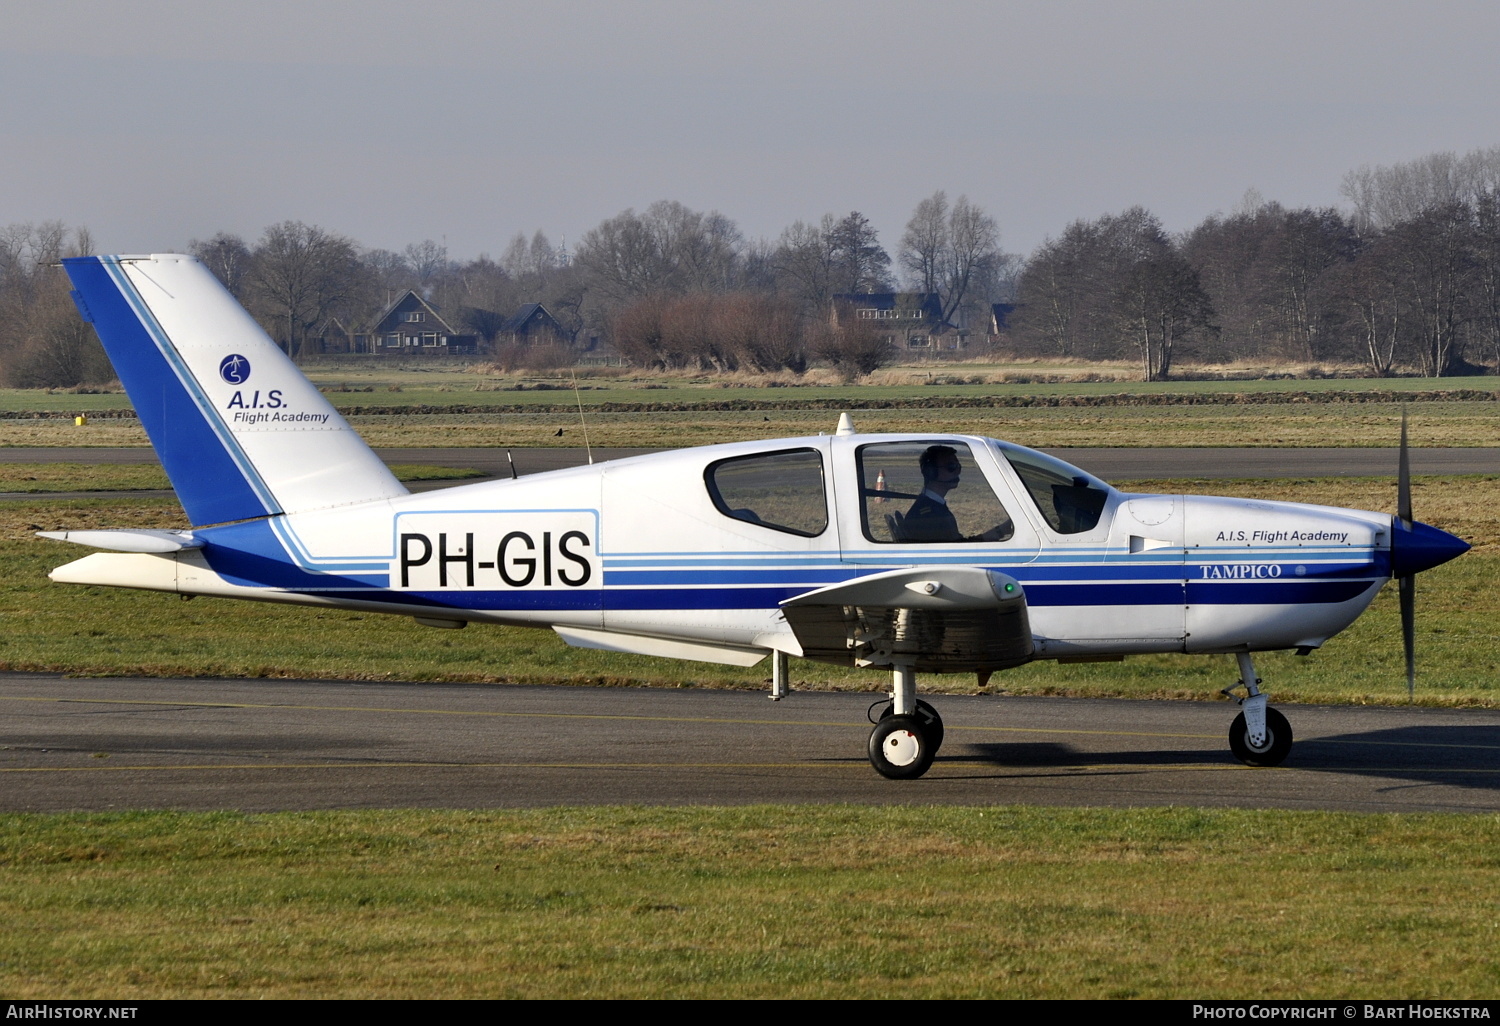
x,y
237,427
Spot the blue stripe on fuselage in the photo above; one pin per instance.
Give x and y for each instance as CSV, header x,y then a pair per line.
x,y
637,599
251,554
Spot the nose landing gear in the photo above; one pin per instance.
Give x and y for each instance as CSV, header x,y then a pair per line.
x,y
908,733
1259,736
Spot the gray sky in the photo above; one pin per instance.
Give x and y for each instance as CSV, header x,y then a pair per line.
x,y
155,121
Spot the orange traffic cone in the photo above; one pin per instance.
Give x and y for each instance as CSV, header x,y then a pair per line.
x,y
880,484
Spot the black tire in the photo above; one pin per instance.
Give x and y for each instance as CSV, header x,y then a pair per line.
x,y
931,722
900,748
1278,741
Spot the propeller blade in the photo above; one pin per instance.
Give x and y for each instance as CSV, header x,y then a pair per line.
x,y
1408,585
1403,480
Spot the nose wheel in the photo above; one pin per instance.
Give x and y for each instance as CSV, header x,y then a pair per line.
x,y
1270,749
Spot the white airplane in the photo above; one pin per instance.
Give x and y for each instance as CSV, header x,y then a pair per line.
x,y
928,552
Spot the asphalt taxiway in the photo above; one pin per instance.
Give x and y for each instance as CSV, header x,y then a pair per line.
x,y
263,745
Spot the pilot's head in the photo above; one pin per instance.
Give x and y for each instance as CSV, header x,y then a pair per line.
x,y
939,463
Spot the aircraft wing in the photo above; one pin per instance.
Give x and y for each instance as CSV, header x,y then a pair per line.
x,y
935,619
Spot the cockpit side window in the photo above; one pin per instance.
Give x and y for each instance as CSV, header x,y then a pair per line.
x,y
783,491
1069,500
927,492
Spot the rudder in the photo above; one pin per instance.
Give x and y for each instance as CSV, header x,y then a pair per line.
x,y
239,430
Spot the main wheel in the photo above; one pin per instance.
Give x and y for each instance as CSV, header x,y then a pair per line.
x,y
1277,746
900,748
926,715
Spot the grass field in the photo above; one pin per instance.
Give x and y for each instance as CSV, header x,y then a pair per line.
x,y
1278,424
770,902
80,477
898,901
111,631
378,385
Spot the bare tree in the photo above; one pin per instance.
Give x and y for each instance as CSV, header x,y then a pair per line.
x,y
1070,288
973,242
44,343
1110,285
1435,252
300,275
227,256
427,261
860,263
804,264
1383,196
1371,286
700,250
637,333
712,331
535,257
855,348
926,239
1163,303
668,249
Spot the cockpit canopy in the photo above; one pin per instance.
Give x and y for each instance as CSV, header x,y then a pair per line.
x,y
910,490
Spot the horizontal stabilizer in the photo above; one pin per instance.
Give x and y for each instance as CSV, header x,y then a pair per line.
x,y
150,572
129,539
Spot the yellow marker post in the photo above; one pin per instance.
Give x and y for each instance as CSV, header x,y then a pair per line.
x,y
81,420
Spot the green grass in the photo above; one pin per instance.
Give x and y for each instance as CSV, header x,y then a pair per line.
x,y
105,477
410,388
711,391
831,902
109,631
826,902
1286,424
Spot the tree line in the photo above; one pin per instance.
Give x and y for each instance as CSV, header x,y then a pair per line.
x,y
1406,279
671,287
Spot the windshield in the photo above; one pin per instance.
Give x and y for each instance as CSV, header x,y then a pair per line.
x,y
1070,500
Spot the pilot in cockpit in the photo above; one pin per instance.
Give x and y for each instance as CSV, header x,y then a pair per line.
x,y
930,519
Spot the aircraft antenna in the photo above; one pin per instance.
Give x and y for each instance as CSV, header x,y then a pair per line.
x,y
512,463
583,423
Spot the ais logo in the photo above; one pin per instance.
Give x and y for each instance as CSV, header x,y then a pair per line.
x,y
234,369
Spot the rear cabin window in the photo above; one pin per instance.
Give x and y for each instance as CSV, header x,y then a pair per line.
x,y
780,490
1069,500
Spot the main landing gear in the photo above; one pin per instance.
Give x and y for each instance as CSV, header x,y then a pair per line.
x,y
908,733
1259,736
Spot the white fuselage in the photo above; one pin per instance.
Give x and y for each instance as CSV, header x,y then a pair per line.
x,y
638,547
